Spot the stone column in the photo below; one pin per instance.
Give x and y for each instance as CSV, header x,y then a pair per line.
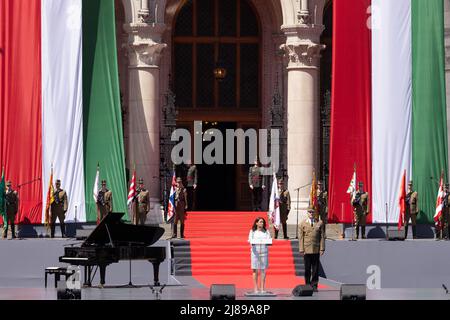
x,y
302,50
144,52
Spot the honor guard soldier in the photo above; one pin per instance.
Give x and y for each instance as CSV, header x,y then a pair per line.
x,y
360,204
143,202
285,207
445,215
312,246
322,202
256,183
58,209
181,206
412,209
191,180
12,207
104,202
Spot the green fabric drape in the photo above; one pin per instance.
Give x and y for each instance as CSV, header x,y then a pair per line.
x,y
103,132
429,103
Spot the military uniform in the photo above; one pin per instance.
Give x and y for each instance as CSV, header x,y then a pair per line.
x,y
142,206
411,211
322,203
312,245
104,203
58,210
360,205
181,204
12,207
256,179
191,180
285,207
444,231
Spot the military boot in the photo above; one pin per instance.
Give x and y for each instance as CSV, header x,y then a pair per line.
x,y
363,232
357,232
285,231
182,231
174,231
406,231
63,229
13,231
52,230
414,232
276,234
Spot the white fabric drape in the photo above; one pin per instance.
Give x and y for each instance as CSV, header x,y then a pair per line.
x,y
62,101
391,104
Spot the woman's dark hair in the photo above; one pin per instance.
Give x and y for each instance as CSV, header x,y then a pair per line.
x,y
256,221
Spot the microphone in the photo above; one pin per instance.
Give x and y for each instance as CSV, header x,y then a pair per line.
x,y
445,288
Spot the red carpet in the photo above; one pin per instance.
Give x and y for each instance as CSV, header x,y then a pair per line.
x,y
220,252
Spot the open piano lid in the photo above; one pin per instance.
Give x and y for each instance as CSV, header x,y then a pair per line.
x,y
111,228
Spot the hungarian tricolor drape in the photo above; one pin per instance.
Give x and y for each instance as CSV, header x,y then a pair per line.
x,y
388,103
60,103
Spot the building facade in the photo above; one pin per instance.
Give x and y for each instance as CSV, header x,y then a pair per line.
x,y
277,54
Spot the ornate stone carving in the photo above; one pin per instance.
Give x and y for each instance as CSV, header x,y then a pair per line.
x,y
302,54
145,54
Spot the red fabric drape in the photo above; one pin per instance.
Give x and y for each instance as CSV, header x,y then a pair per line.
x,y
351,105
20,103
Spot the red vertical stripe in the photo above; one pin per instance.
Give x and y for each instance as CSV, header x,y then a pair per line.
x,y
20,104
351,104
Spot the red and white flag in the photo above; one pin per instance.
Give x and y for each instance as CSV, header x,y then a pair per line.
x,y
132,191
171,204
439,201
401,201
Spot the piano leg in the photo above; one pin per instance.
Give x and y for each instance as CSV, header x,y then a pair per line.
x,y
102,274
156,272
87,276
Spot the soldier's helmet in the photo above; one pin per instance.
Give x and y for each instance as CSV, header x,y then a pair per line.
x,y
8,183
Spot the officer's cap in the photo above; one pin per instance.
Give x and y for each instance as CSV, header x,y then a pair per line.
x,y
360,183
410,183
58,181
103,181
311,209
8,183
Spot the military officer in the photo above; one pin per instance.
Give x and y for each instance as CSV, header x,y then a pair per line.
x,y
256,183
322,202
285,207
412,209
360,203
58,209
12,206
312,246
104,202
181,206
444,218
143,202
192,179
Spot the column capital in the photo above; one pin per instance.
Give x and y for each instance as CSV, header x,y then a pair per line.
x,y
144,44
302,48
145,54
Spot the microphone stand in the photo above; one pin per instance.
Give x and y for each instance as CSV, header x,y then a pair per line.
x,y
387,223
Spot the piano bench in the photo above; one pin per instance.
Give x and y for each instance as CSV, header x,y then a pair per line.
x,y
58,272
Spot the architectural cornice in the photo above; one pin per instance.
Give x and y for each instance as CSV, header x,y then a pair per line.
x,y
302,55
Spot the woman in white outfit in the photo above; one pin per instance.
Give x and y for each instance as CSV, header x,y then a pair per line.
x,y
260,253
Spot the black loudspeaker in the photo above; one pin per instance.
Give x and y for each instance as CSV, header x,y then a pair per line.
x,y
396,235
303,291
223,292
353,292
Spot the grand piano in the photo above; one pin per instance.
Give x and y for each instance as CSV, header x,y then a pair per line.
x,y
112,241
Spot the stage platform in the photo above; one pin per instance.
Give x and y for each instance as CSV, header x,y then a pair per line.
x,y
412,269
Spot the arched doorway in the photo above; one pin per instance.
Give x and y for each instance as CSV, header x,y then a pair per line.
x,y
205,33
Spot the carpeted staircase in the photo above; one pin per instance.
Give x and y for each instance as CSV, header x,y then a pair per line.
x,y
216,250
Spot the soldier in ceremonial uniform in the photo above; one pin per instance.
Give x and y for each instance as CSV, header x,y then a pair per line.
x,y
285,207
12,206
192,179
181,206
412,209
104,202
312,246
58,209
322,202
256,183
360,203
143,202
445,215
